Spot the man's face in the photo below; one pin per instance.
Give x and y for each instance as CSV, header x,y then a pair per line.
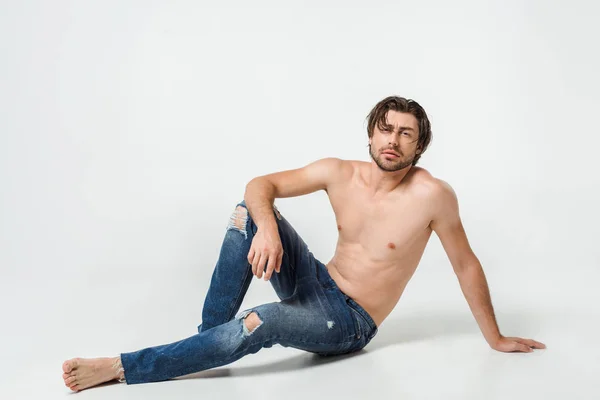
x,y
399,135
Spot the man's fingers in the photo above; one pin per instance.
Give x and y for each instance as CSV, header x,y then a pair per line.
x,y
531,343
522,347
270,267
255,263
534,344
539,345
250,257
260,269
260,260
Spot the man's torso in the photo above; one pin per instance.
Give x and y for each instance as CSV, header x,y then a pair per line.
x,y
381,240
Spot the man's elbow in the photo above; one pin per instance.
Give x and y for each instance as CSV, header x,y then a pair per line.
x,y
467,267
260,184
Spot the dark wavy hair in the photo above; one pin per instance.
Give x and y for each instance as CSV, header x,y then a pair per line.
x,y
379,112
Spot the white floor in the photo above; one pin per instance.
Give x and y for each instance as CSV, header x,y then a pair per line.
x,y
429,347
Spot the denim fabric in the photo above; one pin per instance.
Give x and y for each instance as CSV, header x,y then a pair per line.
x,y
313,314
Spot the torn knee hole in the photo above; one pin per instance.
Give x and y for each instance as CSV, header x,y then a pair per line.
x,y
251,322
241,215
238,220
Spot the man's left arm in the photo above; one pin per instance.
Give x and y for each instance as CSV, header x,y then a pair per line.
x,y
448,226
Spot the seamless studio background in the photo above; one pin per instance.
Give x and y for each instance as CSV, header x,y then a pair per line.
x,y
129,130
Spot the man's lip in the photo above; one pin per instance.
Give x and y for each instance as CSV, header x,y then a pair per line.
x,y
392,153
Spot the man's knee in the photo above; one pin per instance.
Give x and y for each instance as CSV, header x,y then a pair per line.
x,y
251,322
238,220
240,217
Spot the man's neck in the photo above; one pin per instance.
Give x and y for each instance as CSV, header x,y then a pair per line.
x,y
380,183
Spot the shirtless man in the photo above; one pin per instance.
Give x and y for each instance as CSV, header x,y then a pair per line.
x,y
385,209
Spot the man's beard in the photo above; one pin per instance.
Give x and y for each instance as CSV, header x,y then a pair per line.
x,y
390,165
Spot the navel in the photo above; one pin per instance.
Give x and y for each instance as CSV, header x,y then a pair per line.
x,y
391,245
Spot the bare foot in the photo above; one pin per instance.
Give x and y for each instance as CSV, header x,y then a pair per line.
x,y
82,373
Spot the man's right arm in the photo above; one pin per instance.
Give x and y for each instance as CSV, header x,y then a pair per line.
x,y
262,191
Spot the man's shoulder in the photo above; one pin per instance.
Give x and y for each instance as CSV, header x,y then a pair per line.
x,y
333,169
338,161
353,163
343,166
435,195
430,186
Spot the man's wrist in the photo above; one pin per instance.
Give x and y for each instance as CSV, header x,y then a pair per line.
x,y
493,341
267,224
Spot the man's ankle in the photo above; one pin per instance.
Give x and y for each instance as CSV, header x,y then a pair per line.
x,y
118,368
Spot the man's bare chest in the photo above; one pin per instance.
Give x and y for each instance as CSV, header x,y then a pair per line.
x,y
389,225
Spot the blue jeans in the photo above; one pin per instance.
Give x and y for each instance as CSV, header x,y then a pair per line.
x,y
313,314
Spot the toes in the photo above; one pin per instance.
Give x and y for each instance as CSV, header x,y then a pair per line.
x,y
70,385
74,388
69,365
70,374
69,381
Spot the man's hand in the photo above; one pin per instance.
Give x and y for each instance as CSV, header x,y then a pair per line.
x,y
266,246
516,344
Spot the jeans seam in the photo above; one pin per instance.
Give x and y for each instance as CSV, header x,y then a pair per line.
x,y
237,298
238,303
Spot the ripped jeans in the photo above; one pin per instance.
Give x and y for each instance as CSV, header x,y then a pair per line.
x,y
313,314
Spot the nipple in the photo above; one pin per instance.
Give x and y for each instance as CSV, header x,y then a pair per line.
x,y
391,245
339,227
